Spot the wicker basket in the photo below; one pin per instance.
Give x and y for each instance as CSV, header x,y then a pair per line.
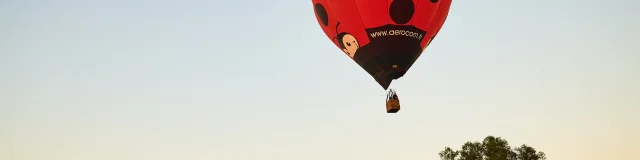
x,y
393,105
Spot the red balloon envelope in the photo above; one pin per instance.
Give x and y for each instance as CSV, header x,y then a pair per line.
x,y
385,37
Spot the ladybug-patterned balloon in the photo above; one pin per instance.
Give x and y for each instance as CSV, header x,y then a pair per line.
x,y
385,37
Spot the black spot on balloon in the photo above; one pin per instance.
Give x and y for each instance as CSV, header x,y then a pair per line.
x,y
401,11
434,1
322,14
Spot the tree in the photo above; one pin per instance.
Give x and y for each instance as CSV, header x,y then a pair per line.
x,y
525,152
448,154
471,151
492,148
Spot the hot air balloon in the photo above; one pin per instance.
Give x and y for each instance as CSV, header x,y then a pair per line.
x,y
385,37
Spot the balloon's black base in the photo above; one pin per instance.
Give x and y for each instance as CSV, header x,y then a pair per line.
x,y
389,57
384,77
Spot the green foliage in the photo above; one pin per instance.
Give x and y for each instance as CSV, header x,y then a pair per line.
x,y
492,148
448,154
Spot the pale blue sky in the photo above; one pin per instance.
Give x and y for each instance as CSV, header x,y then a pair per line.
x,y
259,80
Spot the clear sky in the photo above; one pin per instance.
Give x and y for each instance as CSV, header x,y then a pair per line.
x,y
259,80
